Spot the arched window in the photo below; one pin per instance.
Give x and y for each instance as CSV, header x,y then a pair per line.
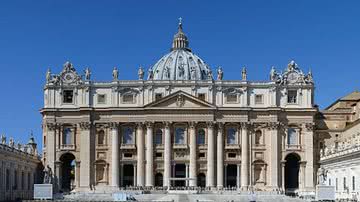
x,y
158,180
292,136
128,135
67,136
201,137
101,137
231,136
158,137
258,136
179,136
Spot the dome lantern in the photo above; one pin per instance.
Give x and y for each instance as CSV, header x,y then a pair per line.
x,y
180,40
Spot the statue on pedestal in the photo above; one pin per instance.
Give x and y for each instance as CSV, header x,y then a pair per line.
x,y
87,74
220,74
47,175
3,139
141,73
322,176
115,74
243,74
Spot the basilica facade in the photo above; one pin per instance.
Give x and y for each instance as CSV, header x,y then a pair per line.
x,y
180,120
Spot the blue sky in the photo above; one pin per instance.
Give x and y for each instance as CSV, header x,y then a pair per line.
x,y
36,35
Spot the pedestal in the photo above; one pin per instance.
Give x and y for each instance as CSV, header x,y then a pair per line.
x,y
325,192
43,191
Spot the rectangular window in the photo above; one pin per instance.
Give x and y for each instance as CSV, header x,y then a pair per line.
x,y
15,180
158,154
201,96
179,136
128,98
23,181
101,98
128,135
292,96
231,136
344,183
67,136
158,137
231,98
232,155
292,136
29,184
353,183
259,99
329,181
158,96
201,155
7,179
336,184
128,155
68,96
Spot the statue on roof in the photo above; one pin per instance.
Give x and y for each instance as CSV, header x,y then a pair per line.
x,y
11,142
273,74
87,74
210,75
220,74
141,73
150,74
244,74
115,74
192,73
309,77
3,139
48,76
68,67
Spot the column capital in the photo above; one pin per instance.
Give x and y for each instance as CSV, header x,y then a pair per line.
x,y
220,125
192,124
149,124
309,126
85,125
113,125
50,126
210,124
167,124
244,125
140,125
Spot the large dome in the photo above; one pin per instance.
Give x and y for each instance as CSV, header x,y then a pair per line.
x,y
180,63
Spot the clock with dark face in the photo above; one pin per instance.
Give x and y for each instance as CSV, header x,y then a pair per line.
x,y
293,77
68,77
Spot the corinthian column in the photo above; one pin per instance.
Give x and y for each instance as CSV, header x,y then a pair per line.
x,y
167,155
244,156
140,155
274,156
149,155
220,157
114,155
85,155
192,183
210,157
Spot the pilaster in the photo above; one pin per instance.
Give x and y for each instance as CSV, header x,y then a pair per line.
x,y
193,172
140,155
85,155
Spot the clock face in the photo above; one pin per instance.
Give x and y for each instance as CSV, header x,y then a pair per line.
x,y
293,77
68,77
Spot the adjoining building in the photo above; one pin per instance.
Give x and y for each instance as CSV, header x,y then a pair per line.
x,y
338,127
20,169
180,122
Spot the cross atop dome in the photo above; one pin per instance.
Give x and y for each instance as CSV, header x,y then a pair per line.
x,y
180,39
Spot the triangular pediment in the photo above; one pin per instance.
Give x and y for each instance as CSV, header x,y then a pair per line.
x,y
180,100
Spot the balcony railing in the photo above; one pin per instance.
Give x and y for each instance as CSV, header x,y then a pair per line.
x,y
67,147
128,146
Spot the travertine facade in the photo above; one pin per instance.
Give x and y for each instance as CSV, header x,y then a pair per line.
x,y
180,122
19,169
338,127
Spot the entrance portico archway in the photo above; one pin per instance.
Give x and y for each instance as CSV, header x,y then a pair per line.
x,y
292,172
180,172
67,171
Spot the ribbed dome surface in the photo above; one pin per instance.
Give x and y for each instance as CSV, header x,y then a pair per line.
x,y
180,63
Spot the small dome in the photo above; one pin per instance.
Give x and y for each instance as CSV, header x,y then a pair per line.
x,y
180,63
